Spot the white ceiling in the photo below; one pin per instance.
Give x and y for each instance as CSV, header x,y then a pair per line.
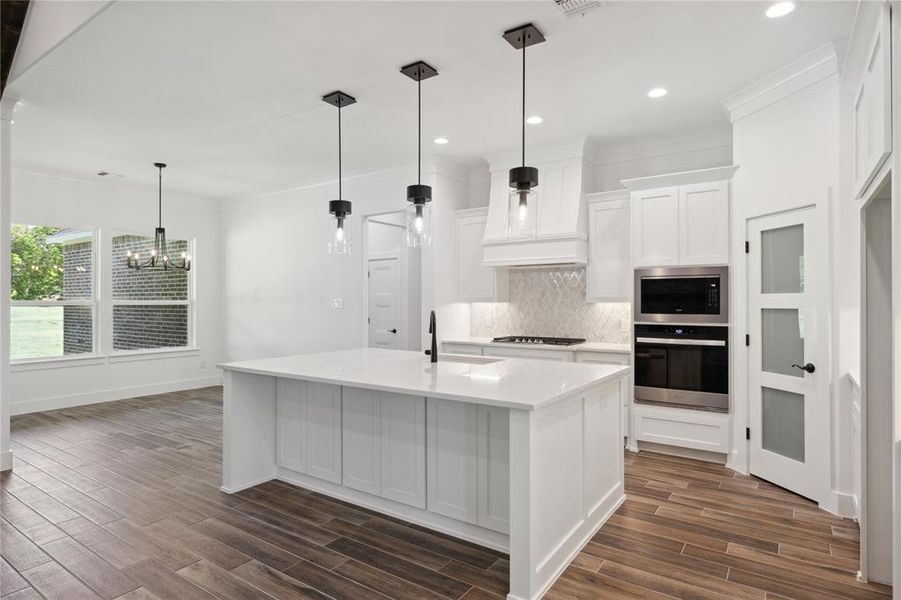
x,y
228,93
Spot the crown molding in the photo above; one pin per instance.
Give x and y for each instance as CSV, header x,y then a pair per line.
x,y
790,79
683,178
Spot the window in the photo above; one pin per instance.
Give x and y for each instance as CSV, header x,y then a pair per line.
x,y
152,308
52,292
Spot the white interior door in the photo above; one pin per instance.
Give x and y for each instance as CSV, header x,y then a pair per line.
x,y
385,298
789,400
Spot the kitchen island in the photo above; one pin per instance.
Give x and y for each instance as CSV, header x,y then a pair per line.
x,y
520,455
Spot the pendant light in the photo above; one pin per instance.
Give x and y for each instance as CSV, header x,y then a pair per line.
x,y
159,255
340,209
419,213
522,218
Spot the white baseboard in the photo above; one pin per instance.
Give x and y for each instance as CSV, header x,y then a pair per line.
x,y
69,401
846,505
6,460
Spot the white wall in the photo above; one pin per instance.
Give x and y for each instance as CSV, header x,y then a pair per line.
x,y
658,156
787,155
279,278
115,207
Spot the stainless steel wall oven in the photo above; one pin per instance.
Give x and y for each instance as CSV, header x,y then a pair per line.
x,y
682,365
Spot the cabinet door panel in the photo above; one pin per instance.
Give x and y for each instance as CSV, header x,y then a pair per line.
x,y
609,273
872,117
323,431
290,414
494,468
655,227
360,424
451,459
704,223
403,449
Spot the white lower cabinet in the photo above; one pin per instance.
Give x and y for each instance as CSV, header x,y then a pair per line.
x,y
468,463
361,423
696,429
451,459
612,358
384,445
309,428
493,454
403,449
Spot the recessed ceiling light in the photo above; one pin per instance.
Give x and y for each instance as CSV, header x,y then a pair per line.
x,y
780,9
441,140
535,120
658,93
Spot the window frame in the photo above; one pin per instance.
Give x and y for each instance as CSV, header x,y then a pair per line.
x,y
93,303
191,302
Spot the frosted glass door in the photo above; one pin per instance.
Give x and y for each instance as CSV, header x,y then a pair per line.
x,y
788,405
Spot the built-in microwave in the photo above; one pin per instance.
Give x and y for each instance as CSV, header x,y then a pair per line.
x,y
682,295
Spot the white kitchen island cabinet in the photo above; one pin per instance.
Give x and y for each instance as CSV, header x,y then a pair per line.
x,y
519,455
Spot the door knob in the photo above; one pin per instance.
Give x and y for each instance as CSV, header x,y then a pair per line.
x,y
392,331
809,367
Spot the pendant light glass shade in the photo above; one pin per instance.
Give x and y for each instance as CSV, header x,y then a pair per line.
x,y
522,219
419,225
419,196
340,241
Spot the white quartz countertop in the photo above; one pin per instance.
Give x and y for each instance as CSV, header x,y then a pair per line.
x,y
510,382
584,347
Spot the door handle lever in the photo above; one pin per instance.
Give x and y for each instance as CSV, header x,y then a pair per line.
x,y
392,331
809,367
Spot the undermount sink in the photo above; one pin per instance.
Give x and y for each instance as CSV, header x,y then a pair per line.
x,y
467,359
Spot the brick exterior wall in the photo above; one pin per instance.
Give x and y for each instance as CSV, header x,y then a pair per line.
x,y
78,321
135,327
142,327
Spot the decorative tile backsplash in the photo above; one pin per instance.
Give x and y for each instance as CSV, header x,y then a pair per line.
x,y
550,301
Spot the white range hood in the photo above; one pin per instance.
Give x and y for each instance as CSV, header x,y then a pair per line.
x,y
563,175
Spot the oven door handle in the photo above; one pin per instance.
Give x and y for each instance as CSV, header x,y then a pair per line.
x,y
679,342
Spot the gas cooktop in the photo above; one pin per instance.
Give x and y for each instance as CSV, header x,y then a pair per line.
x,y
533,339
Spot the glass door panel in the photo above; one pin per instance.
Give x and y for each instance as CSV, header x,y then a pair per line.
x,y
782,260
783,423
782,341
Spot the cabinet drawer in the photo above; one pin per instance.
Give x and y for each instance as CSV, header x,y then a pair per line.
x,y
604,358
557,355
452,348
683,428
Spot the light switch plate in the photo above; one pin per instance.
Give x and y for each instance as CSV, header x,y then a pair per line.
x,y
337,303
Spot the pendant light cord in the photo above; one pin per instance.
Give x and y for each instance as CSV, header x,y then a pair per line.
x,y
340,197
419,128
524,101
160,205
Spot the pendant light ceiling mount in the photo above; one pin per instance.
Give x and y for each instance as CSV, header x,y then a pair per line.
x,y
523,36
339,99
419,194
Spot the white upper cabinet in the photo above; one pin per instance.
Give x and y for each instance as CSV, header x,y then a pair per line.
x,y
475,283
681,218
704,223
609,271
871,118
655,217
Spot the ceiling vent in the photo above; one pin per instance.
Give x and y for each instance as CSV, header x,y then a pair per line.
x,y
572,8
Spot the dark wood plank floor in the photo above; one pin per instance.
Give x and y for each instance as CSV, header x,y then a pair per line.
x,y
121,500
